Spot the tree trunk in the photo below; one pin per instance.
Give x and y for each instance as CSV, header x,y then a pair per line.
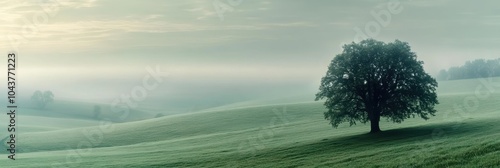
x,y
374,122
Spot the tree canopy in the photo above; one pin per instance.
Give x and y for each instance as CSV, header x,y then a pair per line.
x,y
373,79
42,99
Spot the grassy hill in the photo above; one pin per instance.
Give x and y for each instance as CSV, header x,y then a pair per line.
x,y
64,114
463,133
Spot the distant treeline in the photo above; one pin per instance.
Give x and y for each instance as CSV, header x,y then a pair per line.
x,y
479,68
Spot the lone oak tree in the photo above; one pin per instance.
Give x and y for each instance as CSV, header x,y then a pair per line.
x,y
373,79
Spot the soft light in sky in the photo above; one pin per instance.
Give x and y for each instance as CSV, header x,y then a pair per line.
x,y
101,48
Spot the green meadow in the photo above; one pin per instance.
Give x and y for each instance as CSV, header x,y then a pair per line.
x,y
464,133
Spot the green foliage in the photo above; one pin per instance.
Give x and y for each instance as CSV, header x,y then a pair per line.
x,y
373,79
42,99
479,68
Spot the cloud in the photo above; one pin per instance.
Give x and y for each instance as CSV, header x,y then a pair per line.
x,y
78,3
428,3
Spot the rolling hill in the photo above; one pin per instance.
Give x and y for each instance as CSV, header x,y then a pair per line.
x,y
463,133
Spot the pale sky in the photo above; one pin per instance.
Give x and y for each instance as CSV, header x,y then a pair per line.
x,y
100,48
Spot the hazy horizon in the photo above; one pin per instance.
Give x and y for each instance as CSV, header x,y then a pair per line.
x,y
261,48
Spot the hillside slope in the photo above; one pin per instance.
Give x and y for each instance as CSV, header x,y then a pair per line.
x,y
281,136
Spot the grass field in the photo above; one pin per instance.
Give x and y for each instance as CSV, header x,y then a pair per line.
x,y
464,133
